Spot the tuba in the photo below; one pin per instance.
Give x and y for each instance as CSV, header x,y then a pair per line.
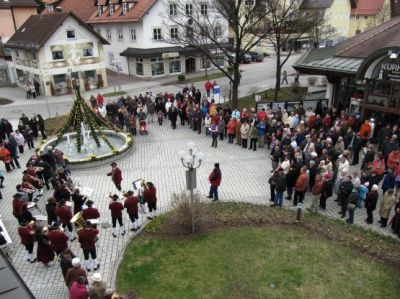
x,y
78,221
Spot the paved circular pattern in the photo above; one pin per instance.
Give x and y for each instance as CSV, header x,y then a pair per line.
x,y
154,158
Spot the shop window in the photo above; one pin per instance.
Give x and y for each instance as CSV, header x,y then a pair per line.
x,y
60,84
90,80
174,32
70,34
157,34
175,66
57,55
205,63
189,9
157,66
173,9
139,67
203,9
220,60
87,52
133,34
120,34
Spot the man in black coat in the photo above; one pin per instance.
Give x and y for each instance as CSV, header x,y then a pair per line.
x,y
355,145
280,188
368,157
344,192
370,203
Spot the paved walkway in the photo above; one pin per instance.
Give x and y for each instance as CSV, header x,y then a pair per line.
x,y
154,158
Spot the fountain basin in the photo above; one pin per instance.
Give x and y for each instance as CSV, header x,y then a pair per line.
x,y
90,155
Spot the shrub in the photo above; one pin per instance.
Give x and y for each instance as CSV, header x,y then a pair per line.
x,y
312,80
181,77
182,212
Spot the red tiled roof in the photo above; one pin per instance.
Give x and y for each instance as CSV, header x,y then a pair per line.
x,y
34,33
82,8
367,42
134,14
367,7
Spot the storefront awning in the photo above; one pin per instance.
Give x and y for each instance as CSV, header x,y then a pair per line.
x,y
324,61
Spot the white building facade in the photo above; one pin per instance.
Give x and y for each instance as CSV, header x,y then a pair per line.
x,y
139,37
71,52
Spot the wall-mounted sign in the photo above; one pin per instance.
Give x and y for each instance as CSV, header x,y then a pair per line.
x,y
170,55
391,70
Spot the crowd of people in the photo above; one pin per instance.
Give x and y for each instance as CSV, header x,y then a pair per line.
x,y
313,150
70,215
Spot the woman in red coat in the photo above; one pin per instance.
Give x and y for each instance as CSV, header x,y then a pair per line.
x,y
149,195
116,175
231,130
44,253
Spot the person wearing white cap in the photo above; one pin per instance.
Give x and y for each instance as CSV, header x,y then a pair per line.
x,y
370,203
98,288
75,272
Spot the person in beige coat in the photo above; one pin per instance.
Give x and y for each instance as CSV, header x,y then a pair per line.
x,y
244,132
387,203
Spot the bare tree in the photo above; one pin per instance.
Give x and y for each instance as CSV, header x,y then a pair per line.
x,y
207,26
289,21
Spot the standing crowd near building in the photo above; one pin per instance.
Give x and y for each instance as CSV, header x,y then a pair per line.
x,y
313,151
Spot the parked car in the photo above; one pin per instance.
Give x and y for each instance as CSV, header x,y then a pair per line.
x,y
245,59
255,56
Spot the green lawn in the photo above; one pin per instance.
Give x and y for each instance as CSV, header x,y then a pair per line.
x,y
251,262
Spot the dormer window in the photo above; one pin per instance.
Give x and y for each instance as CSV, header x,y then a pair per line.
x,y
125,8
99,10
50,7
70,34
111,9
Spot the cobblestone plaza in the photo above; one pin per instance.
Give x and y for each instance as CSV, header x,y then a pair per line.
x,y
154,157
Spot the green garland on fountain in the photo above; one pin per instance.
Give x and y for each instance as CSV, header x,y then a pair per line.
x,y
81,112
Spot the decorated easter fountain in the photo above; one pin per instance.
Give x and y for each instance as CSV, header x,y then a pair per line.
x,y
87,137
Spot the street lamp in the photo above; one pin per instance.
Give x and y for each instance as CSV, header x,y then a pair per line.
x,y
191,159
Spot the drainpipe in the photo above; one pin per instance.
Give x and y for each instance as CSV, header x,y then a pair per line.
x,y
13,17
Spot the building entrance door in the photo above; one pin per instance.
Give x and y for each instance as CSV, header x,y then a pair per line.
x,y
190,65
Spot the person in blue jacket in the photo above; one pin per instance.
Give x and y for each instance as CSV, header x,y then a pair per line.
x,y
262,129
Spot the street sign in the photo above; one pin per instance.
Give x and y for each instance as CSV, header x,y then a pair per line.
x,y
216,93
191,179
